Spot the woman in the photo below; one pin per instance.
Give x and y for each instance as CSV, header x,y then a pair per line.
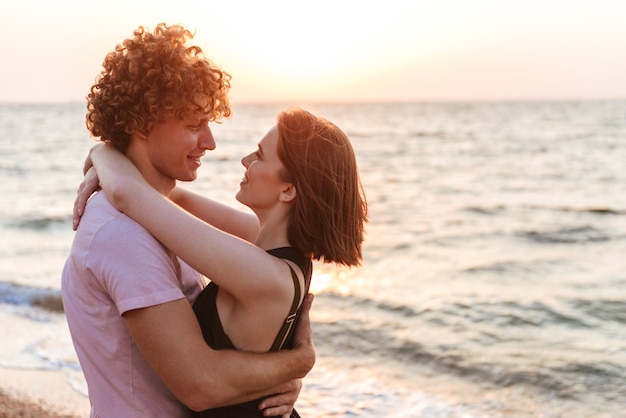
x,y
303,186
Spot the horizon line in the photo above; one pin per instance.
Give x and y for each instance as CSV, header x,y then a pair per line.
x,y
288,102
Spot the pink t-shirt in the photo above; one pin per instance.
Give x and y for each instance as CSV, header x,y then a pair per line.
x,y
115,266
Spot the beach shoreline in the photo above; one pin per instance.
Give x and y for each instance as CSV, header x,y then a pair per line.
x,y
39,393
49,394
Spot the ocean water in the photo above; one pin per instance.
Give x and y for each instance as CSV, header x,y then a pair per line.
x,y
494,273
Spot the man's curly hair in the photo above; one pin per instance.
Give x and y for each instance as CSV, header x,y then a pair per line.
x,y
152,76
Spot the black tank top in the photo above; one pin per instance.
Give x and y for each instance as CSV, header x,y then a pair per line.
x,y
205,308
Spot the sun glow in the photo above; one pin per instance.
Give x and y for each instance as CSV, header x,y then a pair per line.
x,y
319,282
334,281
297,51
328,50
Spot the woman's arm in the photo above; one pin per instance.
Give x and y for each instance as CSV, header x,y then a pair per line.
x,y
228,219
236,222
242,269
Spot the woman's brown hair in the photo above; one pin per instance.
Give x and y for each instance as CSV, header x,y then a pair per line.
x,y
330,209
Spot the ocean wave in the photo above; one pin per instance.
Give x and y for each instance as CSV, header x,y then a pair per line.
x,y
358,339
567,235
16,294
602,211
10,167
39,223
534,314
504,314
603,377
515,267
602,309
483,210
499,314
595,210
353,339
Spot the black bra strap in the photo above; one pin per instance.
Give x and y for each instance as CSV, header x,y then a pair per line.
x,y
284,330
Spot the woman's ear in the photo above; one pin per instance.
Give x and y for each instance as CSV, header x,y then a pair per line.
x,y
288,194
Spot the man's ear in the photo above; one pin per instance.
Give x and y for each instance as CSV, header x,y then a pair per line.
x,y
288,194
143,135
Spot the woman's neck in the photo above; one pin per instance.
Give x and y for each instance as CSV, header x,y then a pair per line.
x,y
272,233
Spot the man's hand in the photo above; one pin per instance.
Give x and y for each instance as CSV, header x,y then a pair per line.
x,y
282,403
303,334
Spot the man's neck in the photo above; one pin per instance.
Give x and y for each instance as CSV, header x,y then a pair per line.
x,y
158,181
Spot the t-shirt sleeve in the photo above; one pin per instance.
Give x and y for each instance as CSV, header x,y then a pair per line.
x,y
133,267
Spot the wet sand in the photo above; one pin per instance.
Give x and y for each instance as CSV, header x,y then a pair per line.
x,y
13,407
39,393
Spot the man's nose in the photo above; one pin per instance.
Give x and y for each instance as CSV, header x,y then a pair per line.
x,y
206,139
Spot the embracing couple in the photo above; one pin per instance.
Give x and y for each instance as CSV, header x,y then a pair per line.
x,y
154,337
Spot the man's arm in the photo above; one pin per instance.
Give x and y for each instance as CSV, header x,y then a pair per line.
x,y
170,338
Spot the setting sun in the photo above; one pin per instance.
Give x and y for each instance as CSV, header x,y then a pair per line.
x,y
291,51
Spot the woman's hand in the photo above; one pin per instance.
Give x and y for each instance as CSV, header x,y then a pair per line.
x,y
87,187
88,163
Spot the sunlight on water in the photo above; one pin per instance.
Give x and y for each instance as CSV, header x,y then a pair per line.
x,y
493,256
319,282
330,281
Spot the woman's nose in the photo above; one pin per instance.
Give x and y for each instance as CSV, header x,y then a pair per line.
x,y
245,161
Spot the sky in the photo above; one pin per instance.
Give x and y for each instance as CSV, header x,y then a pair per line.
x,y
335,50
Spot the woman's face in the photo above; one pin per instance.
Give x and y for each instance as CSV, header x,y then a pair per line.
x,y
261,185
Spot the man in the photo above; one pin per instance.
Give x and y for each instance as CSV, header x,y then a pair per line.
x,y
127,297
